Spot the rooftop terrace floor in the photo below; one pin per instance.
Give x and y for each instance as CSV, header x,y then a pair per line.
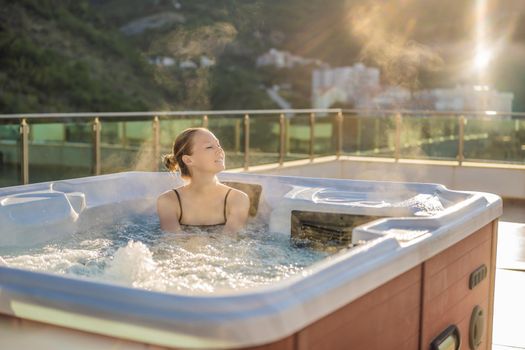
x,y
509,306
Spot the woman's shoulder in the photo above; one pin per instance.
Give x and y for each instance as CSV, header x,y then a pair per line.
x,y
168,203
237,196
168,196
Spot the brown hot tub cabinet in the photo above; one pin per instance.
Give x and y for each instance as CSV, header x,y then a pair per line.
x,y
412,309
406,279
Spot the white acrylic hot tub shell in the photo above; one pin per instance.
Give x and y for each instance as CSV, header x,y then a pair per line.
x,y
237,318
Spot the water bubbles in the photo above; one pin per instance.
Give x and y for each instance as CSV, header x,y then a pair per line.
x,y
423,204
133,265
135,253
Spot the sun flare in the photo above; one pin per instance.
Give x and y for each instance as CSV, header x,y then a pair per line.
x,y
482,59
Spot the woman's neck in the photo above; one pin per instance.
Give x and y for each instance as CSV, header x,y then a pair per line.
x,y
203,183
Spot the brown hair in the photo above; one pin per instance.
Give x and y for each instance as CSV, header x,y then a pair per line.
x,y
182,146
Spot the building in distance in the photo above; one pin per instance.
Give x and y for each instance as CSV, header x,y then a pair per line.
x,y
360,87
284,59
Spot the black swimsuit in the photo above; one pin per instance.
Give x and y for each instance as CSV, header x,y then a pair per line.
x,y
180,206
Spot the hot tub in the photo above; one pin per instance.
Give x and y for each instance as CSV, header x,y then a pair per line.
x,y
415,265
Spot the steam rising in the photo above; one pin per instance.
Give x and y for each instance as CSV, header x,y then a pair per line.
x,y
399,58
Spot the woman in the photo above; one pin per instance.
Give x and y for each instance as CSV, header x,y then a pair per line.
x,y
203,201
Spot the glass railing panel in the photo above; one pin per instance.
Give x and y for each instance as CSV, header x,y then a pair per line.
x,y
495,139
126,145
60,150
264,139
229,129
370,135
429,136
351,126
9,155
63,148
297,142
325,134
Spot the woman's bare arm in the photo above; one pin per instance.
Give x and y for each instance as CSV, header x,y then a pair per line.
x,y
237,213
168,212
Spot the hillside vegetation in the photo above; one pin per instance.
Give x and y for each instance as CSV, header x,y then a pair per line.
x,y
64,56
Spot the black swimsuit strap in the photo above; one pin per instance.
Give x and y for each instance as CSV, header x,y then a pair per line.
x,y
180,204
225,198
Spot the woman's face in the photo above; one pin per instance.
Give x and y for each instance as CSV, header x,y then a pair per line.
x,y
208,154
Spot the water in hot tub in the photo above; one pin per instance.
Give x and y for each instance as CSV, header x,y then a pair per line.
x,y
135,252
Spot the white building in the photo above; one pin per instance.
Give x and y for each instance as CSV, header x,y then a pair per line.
x,y
355,85
328,96
471,98
187,64
391,97
165,61
205,61
460,98
283,59
359,86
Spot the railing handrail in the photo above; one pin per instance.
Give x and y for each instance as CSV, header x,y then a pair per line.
x,y
241,113
393,112
166,113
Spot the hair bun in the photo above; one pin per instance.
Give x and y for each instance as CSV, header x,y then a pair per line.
x,y
170,162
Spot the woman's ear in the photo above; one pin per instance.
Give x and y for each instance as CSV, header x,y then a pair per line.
x,y
187,159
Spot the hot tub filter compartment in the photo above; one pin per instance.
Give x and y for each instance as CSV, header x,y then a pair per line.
x,y
325,231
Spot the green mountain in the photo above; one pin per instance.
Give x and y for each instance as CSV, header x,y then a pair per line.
x,y
60,56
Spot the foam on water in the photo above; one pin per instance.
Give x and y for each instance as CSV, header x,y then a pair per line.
x,y
134,265
422,204
136,253
419,205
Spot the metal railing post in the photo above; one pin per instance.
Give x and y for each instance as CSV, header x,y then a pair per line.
x,y
358,145
397,140
461,139
282,139
205,121
312,136
156,143
287,136
237,136
24,152
124,130
377,128
96,146
339,127
246,141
